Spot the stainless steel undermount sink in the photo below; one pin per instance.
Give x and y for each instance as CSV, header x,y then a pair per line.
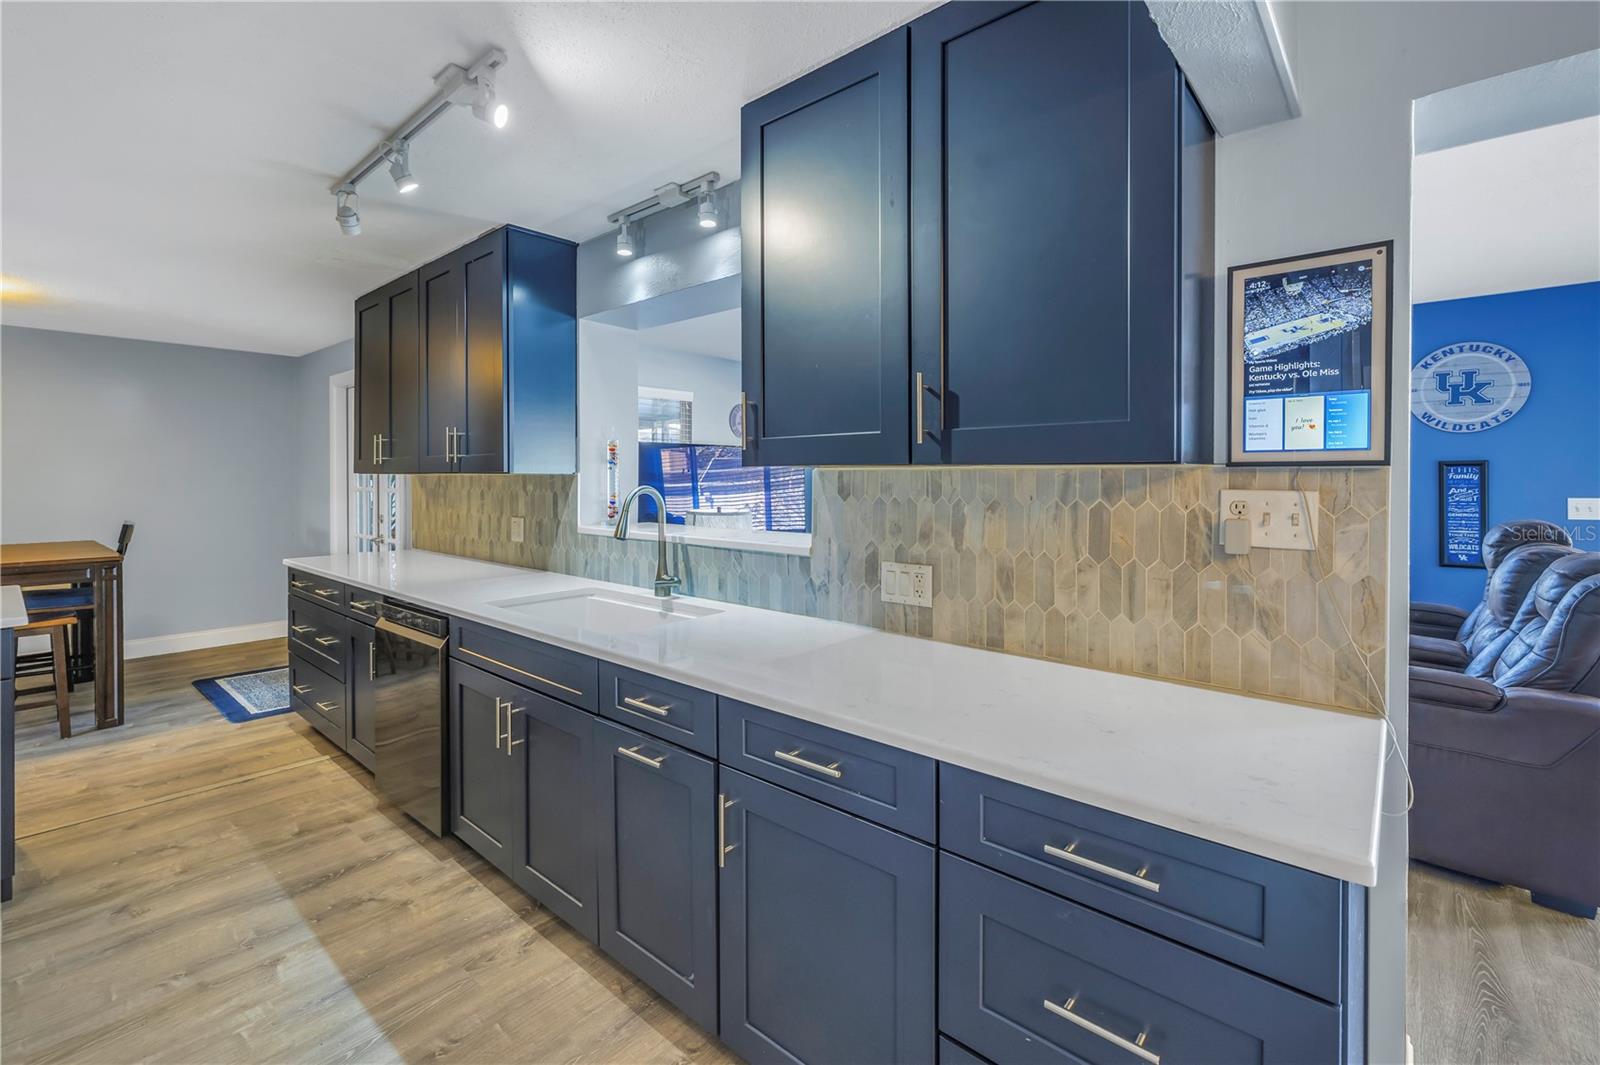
x,y
600,610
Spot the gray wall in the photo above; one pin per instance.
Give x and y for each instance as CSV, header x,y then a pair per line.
x,y
311,374
195,445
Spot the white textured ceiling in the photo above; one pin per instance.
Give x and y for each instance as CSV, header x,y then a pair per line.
x,y
164,167
1507,214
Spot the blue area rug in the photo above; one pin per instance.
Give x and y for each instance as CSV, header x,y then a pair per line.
x,y
248,696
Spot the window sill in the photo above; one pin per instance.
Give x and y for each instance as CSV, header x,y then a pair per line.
x,y
772,543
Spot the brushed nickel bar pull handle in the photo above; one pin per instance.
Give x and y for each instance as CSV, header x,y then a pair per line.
x,y
327,591
365,604
327,708
300,689
744,420
299,584
461,444
640,704
921,389
1069,854
326,640
302,628
1133,1046
793,758
372,659
521,672
378,441
724,848
498,704
510,743
633,752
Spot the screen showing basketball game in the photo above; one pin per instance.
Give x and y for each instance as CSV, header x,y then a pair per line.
x,y
1307,364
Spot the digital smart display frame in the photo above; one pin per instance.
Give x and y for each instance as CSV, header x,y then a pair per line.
x,y
1309,367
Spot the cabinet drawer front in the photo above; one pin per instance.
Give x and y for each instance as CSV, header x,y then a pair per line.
x,y
318,697
317,589
554,671
656,807
1027,977
664,708
866,778
319,635
827,930
1280,921
362,604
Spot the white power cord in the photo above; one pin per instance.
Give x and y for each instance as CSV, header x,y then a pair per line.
x,y
1316,571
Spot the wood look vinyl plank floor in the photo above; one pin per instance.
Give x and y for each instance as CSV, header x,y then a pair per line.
x,y
1495,980
190,890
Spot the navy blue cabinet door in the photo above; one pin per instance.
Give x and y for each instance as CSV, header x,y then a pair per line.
x,y
827,932
463,359
552,746
826,364
1044,241
656,810
483,780
386,346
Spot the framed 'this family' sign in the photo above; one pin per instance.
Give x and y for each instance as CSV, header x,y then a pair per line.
x,y
1463,512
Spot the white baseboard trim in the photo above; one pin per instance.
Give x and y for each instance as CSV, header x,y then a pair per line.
x,y
150,646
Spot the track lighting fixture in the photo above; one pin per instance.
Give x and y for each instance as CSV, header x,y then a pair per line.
x,y
666,197
400,168
345,211
455,86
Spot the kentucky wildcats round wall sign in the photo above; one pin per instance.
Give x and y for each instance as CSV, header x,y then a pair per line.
x,y
1469,386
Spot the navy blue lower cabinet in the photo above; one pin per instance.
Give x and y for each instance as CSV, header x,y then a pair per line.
x,y
656,808
953,1053
827,929
1025,976
552,746
483,778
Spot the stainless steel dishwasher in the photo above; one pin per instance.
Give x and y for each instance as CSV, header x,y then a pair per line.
x,y
408,699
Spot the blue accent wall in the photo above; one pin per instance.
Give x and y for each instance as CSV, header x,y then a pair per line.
x,y
1549,451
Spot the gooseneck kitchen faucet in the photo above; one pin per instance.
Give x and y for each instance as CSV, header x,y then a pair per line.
x,y
665,582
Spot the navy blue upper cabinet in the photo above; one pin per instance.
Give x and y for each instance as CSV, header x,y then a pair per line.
x,y
1046,258
825,263
386,347
1058,288
499,356
827,930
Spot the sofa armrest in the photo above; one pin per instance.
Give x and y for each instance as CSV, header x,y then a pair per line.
x,y
1440,654
1524,726
1439,620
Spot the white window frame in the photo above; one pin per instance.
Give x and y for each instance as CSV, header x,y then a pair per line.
x,y
356,499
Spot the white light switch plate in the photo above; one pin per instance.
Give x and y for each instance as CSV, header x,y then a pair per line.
x,y
903,582
518,529
1276,519
1580,508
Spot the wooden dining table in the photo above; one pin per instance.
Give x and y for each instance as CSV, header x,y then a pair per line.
x,y
81,562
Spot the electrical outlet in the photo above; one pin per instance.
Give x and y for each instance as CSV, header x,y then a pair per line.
x,y
1580,508
1275,519
518,529
904,582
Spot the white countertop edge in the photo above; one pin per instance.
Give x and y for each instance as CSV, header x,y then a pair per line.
x,y
13,611
1304,851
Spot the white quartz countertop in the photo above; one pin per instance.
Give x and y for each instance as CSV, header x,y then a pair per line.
x,y
1297,784
12,612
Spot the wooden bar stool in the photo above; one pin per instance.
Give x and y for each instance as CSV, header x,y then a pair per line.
x,y
59,630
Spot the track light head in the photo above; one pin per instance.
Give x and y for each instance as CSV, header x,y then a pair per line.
x,y
707,212
625,246
400,168
345,213
486,107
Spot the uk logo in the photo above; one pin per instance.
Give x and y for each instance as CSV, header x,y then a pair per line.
x,y
1469,386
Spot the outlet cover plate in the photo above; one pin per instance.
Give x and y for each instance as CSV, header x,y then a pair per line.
x,y
1276,519
907,583
1583,508
518,530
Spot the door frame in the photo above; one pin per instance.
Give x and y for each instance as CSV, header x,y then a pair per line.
x,y
339,465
